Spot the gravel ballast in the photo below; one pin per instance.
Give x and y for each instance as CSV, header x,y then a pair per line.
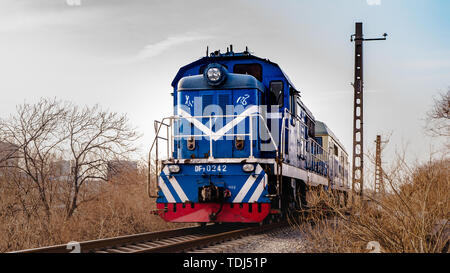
x,y
283,240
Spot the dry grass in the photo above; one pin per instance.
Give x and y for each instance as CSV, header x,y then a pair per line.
x,y
120,207
411,218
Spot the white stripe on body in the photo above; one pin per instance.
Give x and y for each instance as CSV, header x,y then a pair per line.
x,y
166,190
175,185
247,185
258,191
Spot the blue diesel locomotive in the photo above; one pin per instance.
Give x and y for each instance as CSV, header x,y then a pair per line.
x,y
241,144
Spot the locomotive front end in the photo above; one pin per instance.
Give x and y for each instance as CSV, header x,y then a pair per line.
x,y
212,175
213,193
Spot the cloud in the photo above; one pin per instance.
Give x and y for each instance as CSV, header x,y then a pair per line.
x,y
156,49
373,2
22,18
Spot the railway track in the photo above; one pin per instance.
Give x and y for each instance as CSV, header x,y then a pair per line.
x,y
169,241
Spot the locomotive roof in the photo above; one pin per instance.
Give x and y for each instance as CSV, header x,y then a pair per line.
x,y
224,57
322,129
217,56
308,112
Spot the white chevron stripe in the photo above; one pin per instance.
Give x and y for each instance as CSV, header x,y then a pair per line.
x,y
176,186
248,184
221,132
230,125
166,191
257,193
197,123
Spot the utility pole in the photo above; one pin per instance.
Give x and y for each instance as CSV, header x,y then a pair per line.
x,y
379,183
358,85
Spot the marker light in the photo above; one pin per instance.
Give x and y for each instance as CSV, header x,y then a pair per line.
x,y
248,168
174,168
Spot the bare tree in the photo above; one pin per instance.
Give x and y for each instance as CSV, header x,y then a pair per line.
x,y
438,119
51,132
36,136
96,137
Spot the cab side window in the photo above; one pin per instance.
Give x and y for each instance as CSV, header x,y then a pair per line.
x,y
276,93
298,109
293,102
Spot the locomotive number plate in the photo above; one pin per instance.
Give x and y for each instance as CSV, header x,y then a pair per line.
x,y
210,168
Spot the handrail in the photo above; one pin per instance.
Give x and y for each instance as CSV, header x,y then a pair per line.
x,y
171,137
310,147
308,142
155,141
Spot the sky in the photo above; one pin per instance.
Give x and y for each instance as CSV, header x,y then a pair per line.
x,y
123,55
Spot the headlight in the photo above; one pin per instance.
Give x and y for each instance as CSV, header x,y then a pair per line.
x,y
214,74
174,168
248,168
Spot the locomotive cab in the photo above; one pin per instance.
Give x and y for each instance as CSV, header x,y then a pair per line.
x,y
220,120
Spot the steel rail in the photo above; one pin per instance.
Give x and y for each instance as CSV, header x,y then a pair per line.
x,y
175,240
87,246
210,240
